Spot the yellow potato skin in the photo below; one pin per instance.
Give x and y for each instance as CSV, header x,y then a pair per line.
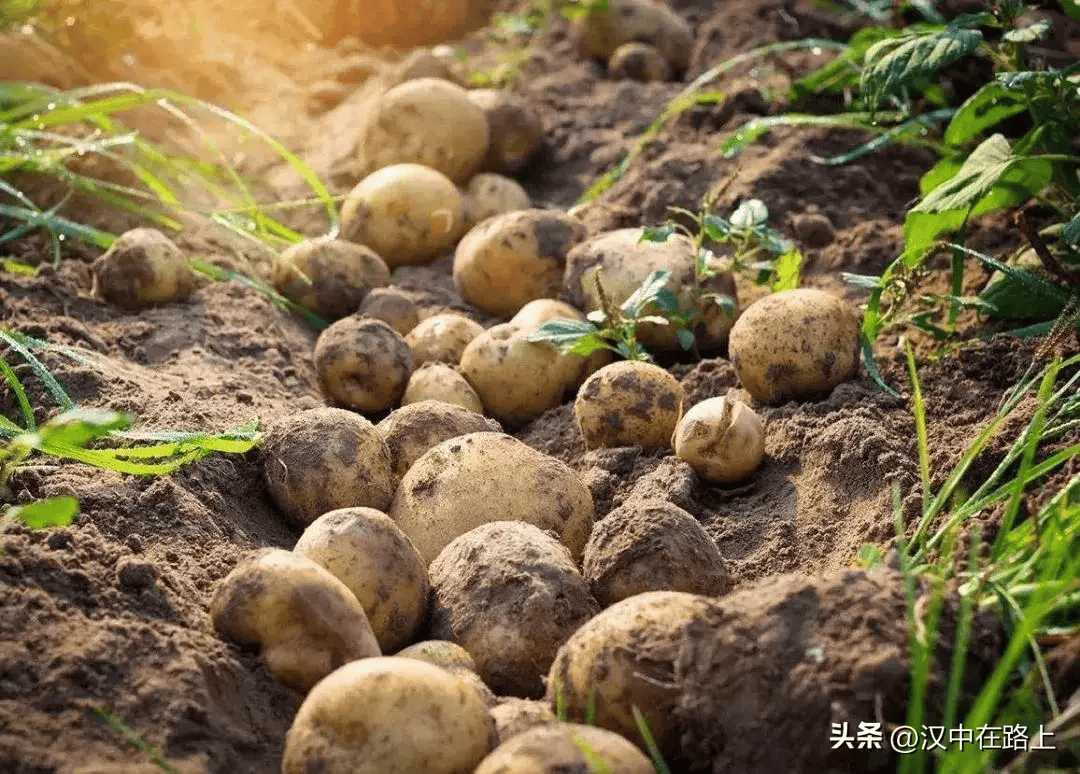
x,y
722,439
600,33
560,747
442,337
441,382
628,403
516,130
330,277
363,364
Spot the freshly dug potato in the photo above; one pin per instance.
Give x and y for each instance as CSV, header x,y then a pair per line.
x,y
483,477
639,62
363,364
722,439
328,276
407,213
411,430
510,594
368,552
442,337
424,64
306,622
516,132
795,345
427,121
393,307
142,268
628,403
389,715
514,715
324,459
558,748
489,194
508,260
651,545
441,382
599,33
534,314
517,379
441,653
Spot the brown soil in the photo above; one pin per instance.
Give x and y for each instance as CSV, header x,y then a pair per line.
x,y
110,614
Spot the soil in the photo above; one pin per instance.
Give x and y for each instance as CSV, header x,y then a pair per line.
x,y
107,619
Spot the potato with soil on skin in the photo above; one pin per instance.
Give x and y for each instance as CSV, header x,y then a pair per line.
x,y
532,317
424,64
639,62
306,622
600,32
722,439
454,659
393,307
516,132
407,213
483,477
628,403
489,194
389,715
651,545
363,364
143,267
510,594
368,552
442,337
328,276
558,748
412,430
514,715
441,382
323,459
427,121
506,261
795,345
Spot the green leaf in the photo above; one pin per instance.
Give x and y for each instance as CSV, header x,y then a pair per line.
x,y
588,344
986,107
786,271
657,233
1070,234
897,62
723,302
562,331
653,319
717,228
1071,8
686,338
750,213
867,281
946,167
53,512
1028,34
649,292
79,426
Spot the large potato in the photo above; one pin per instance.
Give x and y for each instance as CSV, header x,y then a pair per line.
x,y
363,364
328,276
506,261
441,382
558,748
795,345
516,132
143,267
442,337
628,403
426,121
600,32
411,430
511,629
483,477
407,213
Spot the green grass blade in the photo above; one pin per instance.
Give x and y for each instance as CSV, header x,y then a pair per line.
x,y
650,741
225,275
20,395
56,390
918,409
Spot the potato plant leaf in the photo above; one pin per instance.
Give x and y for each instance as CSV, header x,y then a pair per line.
x,y
1028,34
786,271
657,233
562,331
1070,233
52,512
750,213
896,62
988,106
652,291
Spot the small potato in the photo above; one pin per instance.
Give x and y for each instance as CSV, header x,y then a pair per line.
x,y
412,430
143,267
407,213
393,307
324,459
628,403
722,440
424,64
442,337
389,715
508,260
639,62
795,345
651,545
511,629
306,622
558,748
483,477
600,32
368,552
427,121
513,716
328,276
489,194
363,364
441,382
441,653
516,132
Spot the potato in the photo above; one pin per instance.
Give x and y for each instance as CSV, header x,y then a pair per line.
x,y
510,594
427,121
489,194
628,403
722,439
600,32
363,364
639,62
424,64
306,622
328,276
558,748
407,213
389,715
441,653
368,552
393,306
441,382
411,430
513,715
516,132
143,267
517,379
508,260
534,314
795,345
483,477
442,337
625,657
651,545
323,459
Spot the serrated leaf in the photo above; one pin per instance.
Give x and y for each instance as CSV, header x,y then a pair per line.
x,y
786,271
717,228
686,338
893,63
562,331
647,293
53,512
656,233
588,344
749,213
1028,34
988,106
